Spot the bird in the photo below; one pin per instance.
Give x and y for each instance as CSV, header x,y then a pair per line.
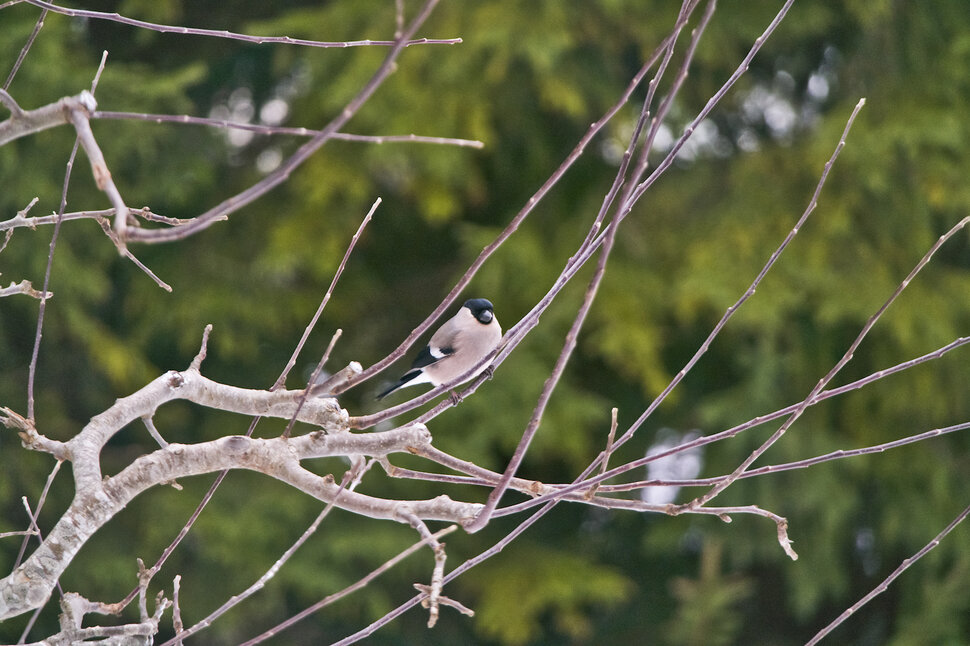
x,y
460,343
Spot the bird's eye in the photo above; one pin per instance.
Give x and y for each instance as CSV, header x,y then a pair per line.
x,y
485,316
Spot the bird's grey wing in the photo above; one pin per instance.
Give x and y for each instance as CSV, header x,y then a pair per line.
x,y
445,341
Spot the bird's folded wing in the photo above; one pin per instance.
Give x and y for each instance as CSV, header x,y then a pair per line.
x,y
430,355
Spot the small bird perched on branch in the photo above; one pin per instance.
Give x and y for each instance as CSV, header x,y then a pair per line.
x,y
460,343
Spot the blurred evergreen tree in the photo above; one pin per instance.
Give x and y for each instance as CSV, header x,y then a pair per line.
x,y
527,80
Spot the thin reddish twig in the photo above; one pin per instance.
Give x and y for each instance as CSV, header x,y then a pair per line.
x,y
304,152
885,583
813,203
25,49
284,130
222,33
235,600
361,583
547,389
487,252
810,399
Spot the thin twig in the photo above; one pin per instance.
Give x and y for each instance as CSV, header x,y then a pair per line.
x,y
11,104
810,399
362,583
177,624
34,530
550,385
100,70
433,593
885,583
283,172
150,425
221,33
25,49
158,281
35,353
291,362
203,349
6,239
313,378
445,601
144,578
121,221
126,252
285,130
258,585
607,452
19,220
454,574
840,454
813,203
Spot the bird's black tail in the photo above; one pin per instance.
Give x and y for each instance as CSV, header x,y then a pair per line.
x,y
403,381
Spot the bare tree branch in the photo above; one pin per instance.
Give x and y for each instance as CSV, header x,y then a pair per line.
x,y
721,486
282,173
99,499
24,287
28,122
21,57
885,583
145,213
349,482
284,130
259,40
588,298
363,582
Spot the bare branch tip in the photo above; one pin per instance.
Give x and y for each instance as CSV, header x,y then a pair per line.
x,y
783,539
97,75
200,357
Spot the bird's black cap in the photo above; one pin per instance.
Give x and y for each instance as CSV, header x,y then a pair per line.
x,y
481,309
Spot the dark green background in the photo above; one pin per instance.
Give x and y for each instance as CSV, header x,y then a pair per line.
x,y
527,80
